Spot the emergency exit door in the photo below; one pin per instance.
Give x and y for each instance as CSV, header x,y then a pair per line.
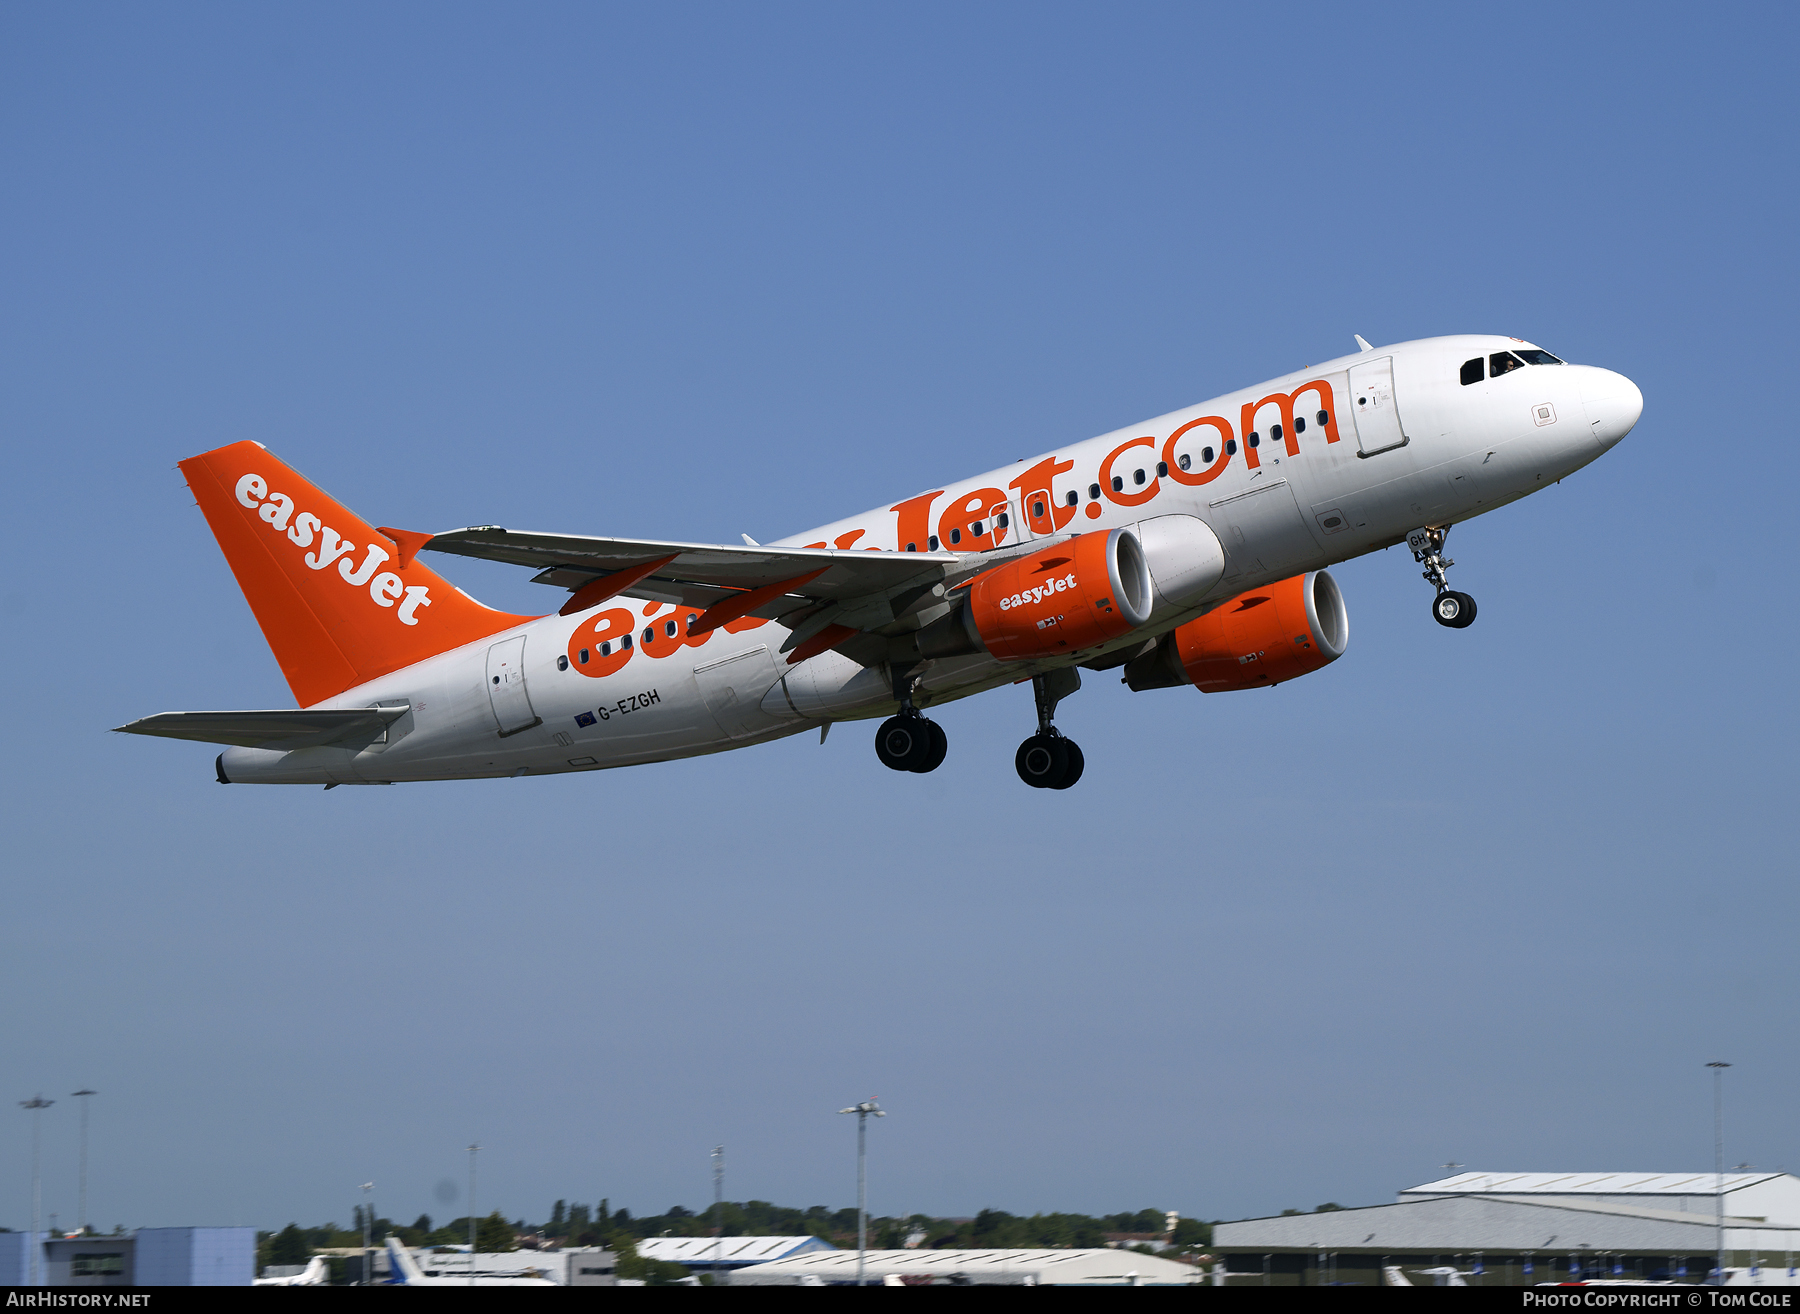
x,y
1378,427
506,687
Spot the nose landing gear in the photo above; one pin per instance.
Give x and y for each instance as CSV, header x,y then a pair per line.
x,y
1448,608
1048,760
910,742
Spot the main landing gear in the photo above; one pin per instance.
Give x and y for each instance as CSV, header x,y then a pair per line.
x,y
1449,608
1047,760
910,742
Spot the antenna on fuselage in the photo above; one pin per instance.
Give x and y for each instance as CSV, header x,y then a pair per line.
x,y
1360,343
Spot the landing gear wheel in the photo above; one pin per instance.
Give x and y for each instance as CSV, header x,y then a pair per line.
x,y
940,744
1452,609
904,743
1076,763
1042,760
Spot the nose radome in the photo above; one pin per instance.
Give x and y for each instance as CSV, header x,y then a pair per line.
x,y
1613,404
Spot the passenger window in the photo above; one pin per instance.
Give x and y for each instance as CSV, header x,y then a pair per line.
x,y
562,662
1003,520
1299,424
1037,508
1162,469
1118,483
1532,356
1206,454
605,651
1137,476
1503,362
932,542
582,656
956,536
649,633
1186,462
625,644
1093,492
1324,418
976,530
1074,497
912,547
1255,439
1275,433
1471,372
1231,447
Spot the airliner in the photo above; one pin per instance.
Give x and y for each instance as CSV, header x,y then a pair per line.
x,y
1191,550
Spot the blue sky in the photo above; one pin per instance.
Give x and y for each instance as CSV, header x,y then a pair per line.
x,y
1492,896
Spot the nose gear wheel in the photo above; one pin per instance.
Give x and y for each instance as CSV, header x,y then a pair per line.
x,y
1452,609
1449,608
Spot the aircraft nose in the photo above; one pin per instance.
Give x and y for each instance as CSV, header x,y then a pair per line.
x,y
1613,404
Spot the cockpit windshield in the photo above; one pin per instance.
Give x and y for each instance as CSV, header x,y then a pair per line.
x,y
1505,362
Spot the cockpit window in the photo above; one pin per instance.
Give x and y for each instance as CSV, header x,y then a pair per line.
x,y
1471,371
1503,362
1533,356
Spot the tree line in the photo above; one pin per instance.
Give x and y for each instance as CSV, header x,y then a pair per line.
x,y
576,1224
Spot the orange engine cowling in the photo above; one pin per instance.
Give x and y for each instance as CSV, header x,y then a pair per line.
x,y
1265,636
1075,594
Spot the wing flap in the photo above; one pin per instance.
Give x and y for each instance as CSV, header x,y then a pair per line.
x,y
283,728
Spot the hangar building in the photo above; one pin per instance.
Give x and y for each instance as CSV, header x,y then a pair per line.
x,y
1521,1228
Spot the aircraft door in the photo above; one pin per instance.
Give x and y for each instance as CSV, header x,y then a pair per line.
x,y
733,688
1378,427
1018,524
506,687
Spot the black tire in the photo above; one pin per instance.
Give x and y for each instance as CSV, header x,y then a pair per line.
x,y
1042,760
1447,609
903,742
1073,773
940,745
1468,613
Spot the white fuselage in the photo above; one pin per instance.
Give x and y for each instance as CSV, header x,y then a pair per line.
x,y
1414,447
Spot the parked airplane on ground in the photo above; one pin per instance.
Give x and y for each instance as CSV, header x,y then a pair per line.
x,y
1187,550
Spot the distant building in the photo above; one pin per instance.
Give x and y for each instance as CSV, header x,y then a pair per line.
x,y
148,1257
582,1266
706,1254
973,1268
1522,1228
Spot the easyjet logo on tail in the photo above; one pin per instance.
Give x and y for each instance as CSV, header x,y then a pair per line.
x,y
384,586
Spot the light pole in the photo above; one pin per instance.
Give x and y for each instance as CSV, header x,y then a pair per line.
x,y
82,1096
37,1104
863,1112
718,1158
473,1151
1718,1071
368,1264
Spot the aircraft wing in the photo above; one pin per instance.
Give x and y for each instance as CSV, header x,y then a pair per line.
x,y
284,729
786,580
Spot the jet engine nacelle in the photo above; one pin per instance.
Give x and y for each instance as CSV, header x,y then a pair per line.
x,y
1072,595
1265,636
1257,639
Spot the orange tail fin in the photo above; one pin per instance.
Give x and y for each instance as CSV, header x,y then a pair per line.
x,y
339,602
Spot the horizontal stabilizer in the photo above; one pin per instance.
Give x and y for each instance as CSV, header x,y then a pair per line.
x,y
281,729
